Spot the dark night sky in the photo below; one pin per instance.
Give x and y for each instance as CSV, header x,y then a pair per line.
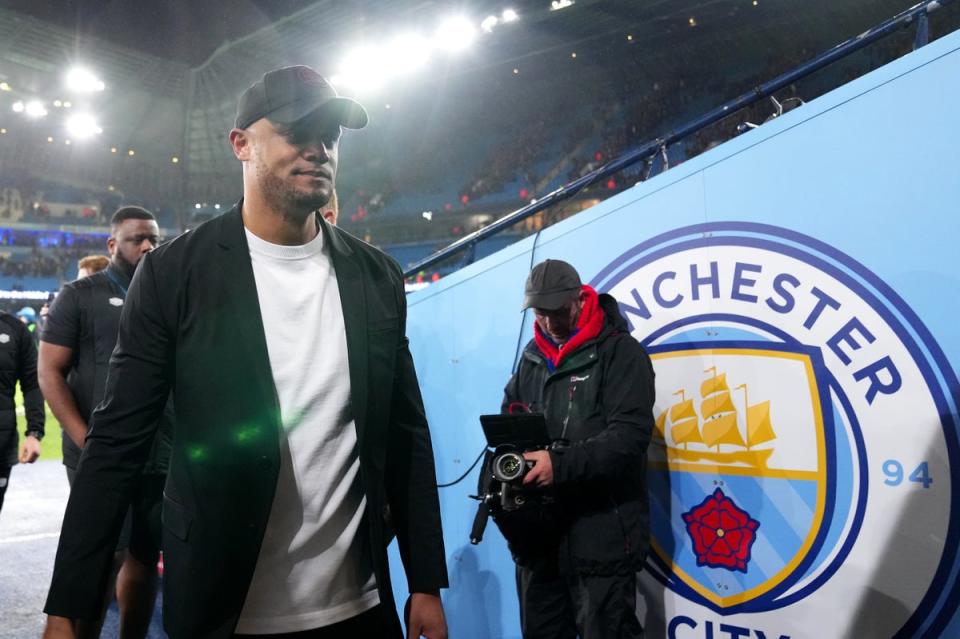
x,y
184,30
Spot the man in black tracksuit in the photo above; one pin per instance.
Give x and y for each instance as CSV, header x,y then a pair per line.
x,y
18,362
75,349
594,383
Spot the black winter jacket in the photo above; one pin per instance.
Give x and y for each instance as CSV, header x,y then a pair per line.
x,y
18,362
601,400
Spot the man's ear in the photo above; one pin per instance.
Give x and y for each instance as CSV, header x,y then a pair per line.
x,y
240,143
111,245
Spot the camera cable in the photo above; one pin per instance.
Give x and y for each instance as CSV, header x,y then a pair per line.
x,y
516,360
468,471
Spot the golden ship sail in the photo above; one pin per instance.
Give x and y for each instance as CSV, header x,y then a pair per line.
x,y
684,421
719,413
759,427
717,425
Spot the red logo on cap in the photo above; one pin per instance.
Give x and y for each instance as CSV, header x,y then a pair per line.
x,y
309,76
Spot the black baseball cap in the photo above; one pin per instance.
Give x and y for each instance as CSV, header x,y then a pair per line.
x,y
289,94
550,285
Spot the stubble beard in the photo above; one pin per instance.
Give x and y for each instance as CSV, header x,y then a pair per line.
x,y
124,264
286,198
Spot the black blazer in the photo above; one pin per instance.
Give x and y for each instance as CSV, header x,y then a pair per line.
x,y
192,321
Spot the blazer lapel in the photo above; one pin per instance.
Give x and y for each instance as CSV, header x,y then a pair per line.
x,y
244,305
350,282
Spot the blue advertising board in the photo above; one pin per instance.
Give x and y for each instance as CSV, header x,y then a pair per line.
x,y
796,288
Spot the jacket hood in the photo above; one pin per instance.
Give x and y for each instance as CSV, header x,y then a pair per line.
x,y
611,309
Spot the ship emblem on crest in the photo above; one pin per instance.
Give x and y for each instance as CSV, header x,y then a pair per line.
x,y
718,426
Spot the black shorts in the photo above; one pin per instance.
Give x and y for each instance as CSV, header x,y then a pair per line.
x,y
141,526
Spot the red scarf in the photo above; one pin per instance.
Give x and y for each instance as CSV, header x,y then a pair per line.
x,y
589,326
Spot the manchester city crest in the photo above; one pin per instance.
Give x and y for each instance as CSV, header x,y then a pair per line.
x,y
804,447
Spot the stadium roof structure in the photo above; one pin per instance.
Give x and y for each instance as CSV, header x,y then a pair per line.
x,y
164,108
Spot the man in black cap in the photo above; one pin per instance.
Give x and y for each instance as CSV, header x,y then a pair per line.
x,y
301,447
594,384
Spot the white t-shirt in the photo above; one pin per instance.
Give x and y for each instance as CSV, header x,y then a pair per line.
x,y
315,567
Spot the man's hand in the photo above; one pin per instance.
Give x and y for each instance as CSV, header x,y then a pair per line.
x,y
59,628
542,472
426,617
53,365
29,449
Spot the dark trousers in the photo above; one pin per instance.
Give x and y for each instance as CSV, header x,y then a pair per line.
x,y
4,481
141,527
564,606
372,624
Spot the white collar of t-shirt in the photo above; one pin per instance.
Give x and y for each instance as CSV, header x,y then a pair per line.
x,y
282,251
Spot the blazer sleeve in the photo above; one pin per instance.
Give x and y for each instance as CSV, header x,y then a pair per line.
x,y
116,449
411,481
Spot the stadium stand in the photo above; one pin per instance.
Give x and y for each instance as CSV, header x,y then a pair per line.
x,y
424,176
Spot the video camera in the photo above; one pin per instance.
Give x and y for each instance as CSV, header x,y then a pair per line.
x,y
500,488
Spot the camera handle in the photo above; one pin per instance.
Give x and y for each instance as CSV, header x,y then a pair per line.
x,y
480,522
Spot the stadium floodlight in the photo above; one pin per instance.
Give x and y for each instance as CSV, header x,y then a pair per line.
x,y
406,53
5,87
18,106
488,23
455,34
362,69
35,109
556,5
81,80
82,126
509,15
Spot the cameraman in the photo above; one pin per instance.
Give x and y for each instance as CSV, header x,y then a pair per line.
x,y
594,384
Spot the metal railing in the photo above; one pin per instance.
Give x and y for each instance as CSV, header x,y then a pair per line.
x,y
917,14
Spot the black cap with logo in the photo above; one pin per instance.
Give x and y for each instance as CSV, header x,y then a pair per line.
x,y
289,94
550,285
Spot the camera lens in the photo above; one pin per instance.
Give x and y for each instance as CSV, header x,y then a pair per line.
x,y
508,467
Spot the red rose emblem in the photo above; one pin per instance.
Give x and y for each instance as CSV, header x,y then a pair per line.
x,y
721,532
